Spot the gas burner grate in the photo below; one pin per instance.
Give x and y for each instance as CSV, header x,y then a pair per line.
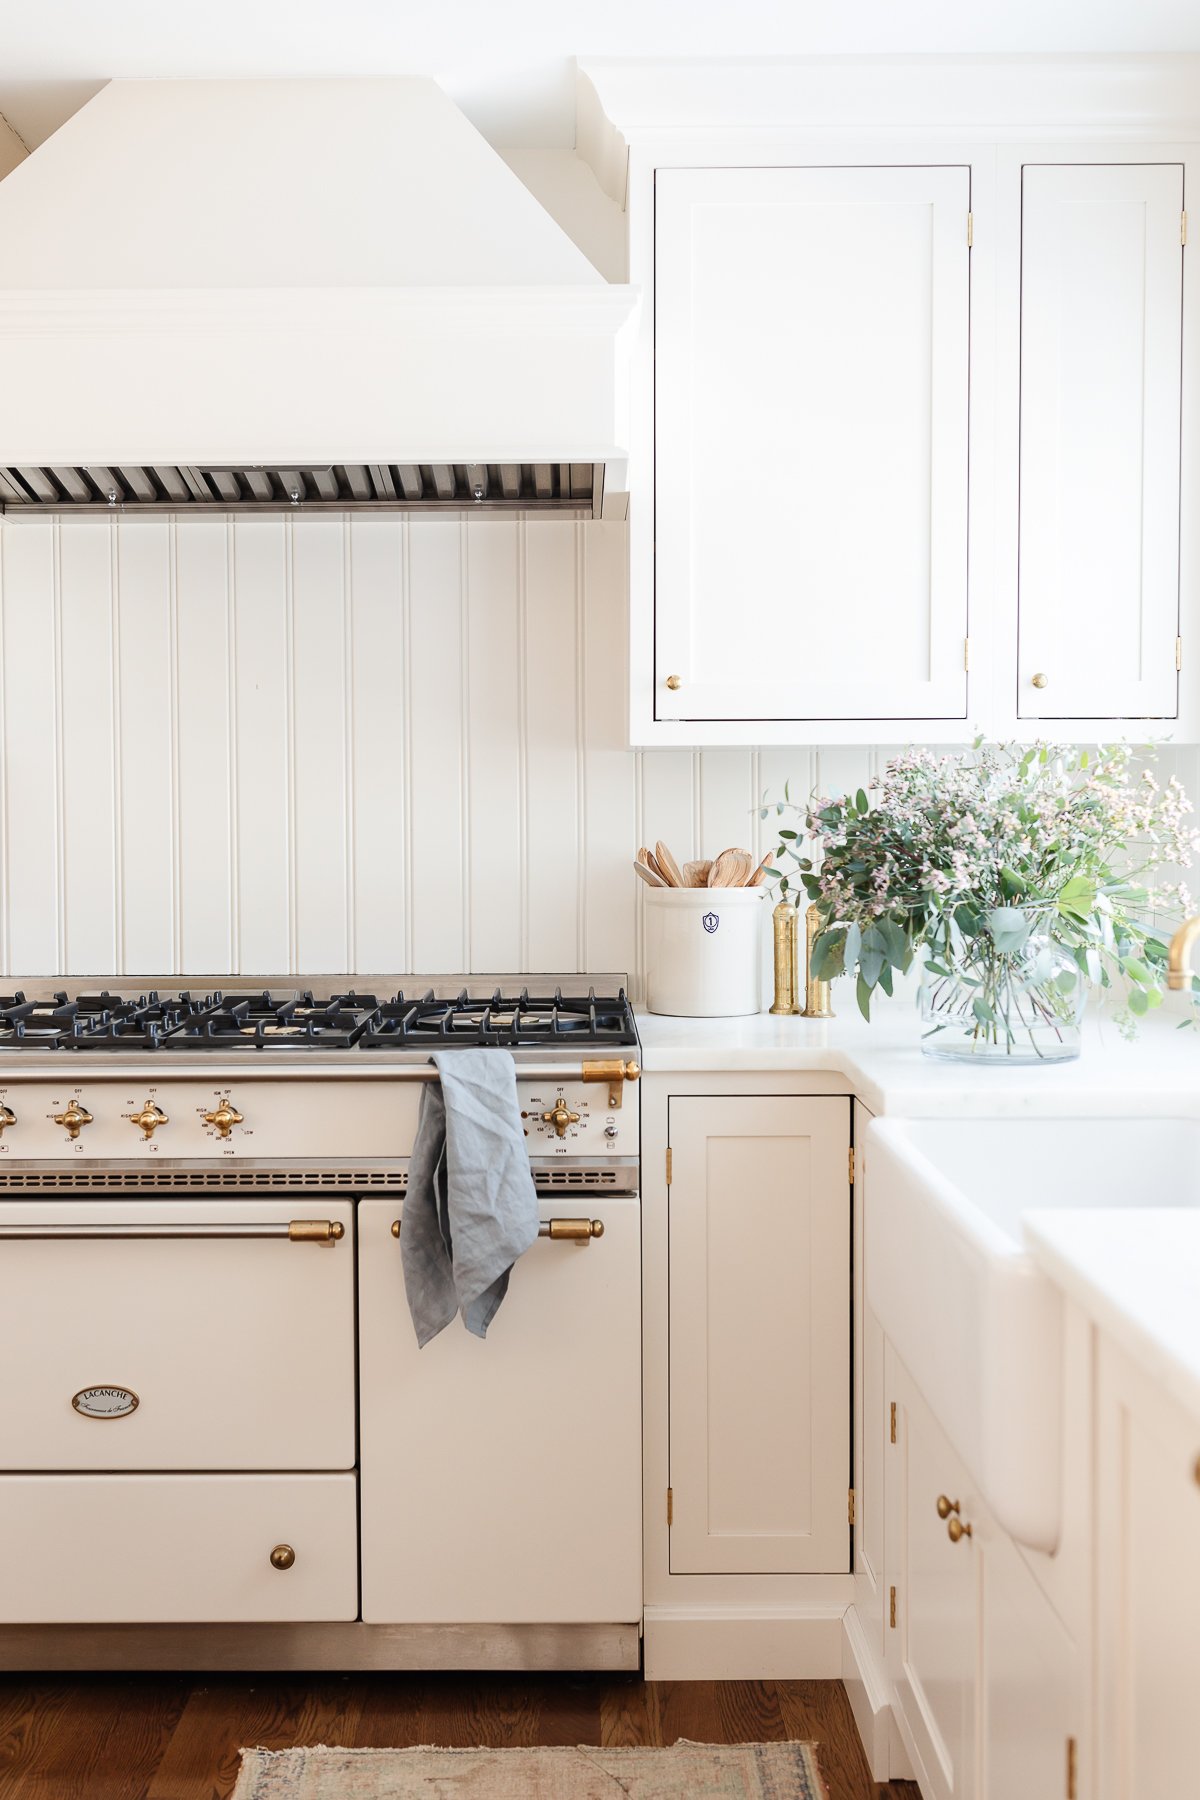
x,y
240,1021
523,1021
269,1022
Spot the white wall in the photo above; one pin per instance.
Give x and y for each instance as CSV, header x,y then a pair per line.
x,y
336,744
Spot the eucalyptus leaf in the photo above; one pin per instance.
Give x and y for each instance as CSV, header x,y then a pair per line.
x,y
1009,929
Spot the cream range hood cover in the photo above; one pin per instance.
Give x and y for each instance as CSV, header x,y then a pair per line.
x,y
338,280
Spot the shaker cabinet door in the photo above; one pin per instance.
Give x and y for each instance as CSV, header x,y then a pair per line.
x,y
758,1224
1101,325
811,384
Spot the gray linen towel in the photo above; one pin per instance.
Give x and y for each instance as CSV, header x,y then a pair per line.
x,y
471,1207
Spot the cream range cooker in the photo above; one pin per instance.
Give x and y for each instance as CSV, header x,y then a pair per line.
x,y
219,1444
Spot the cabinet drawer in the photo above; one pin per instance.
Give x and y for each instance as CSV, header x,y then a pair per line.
x,y
175,1549
236,1352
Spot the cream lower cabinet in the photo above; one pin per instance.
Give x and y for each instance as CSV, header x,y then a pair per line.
x,y
758,1242
500,1477
1147,1584
984,1675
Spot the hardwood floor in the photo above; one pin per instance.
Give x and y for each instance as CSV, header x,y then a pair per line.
x,y
175,1737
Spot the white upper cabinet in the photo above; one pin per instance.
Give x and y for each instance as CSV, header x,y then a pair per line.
x,y
1101,346
810,443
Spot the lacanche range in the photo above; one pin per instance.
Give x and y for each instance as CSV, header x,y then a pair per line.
x,y
224,1448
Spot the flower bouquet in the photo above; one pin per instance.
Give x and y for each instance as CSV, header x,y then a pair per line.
x,y
1019,876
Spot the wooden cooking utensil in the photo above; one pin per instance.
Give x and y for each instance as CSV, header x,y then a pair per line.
x,y
695,874
667,866
731,869
648,875
760,874
647,861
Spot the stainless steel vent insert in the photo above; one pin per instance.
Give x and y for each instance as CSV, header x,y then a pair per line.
x,y
330,487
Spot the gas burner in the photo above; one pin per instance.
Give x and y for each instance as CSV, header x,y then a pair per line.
x,y
274,1022
101,1021
526,1021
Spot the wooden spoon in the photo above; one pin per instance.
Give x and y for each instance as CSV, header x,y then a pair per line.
x,y
668,868
731,869
647,861
760,874
648,875
695,874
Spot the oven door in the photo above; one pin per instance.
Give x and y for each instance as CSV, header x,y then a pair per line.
x,y
501,1478
165,1334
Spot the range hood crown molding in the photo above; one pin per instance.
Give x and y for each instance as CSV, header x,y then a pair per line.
x,y
397,297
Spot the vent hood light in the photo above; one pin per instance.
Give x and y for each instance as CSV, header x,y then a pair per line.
x,y
271,294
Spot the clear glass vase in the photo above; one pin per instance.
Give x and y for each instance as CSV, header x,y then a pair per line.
x,y
1003,1007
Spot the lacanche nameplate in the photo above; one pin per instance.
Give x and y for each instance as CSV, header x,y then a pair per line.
x,y
105,1402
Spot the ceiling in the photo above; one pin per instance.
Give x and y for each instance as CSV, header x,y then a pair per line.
x,y
508,63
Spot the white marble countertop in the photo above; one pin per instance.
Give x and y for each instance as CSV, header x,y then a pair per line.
x,y
1156,1074
1136,1273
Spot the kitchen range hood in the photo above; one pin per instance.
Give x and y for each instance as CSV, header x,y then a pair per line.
x,y
298,295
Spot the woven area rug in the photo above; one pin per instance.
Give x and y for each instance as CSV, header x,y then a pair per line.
x,y
685,1772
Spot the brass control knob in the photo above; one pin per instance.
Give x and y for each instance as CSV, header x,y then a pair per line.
x,y
282,1556
674,682
7,1117
560,1117
1040,681
150,1118
224,1117
945,1506
956,1530
73,1119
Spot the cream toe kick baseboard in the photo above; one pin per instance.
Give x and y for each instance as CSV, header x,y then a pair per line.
x,y
743,1642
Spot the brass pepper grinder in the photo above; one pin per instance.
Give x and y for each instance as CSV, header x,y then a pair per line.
x,y
816,993
787,963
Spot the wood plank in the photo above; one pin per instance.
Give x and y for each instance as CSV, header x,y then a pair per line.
x,y
379,823
322,907
225,1715
261,606
29,768
83,1737
90,738
204,836
493,749
145,763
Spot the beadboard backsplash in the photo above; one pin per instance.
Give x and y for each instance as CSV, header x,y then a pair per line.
x,y
338,744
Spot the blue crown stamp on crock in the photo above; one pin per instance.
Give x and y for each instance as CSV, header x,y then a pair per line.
x,y
710,921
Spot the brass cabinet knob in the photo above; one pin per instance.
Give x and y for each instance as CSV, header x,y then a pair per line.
x,y
396,1228
560,1117
674,681
282,1556
956,1530
7,1117
224,1117
1039,681
73,1119
945,1506
149,1119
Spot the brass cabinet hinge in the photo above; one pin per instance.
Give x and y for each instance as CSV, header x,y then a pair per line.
x,y
850,1508
892,1608
668,1165
670,1506
851,1165
1072,1769
1178,654
893,1421
970,229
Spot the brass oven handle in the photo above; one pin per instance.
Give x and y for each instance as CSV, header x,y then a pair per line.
x,y
561,1231
299,1231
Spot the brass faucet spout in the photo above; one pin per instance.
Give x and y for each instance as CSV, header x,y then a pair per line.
x,y
1179,955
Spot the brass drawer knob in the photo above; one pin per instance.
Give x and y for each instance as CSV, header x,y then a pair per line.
x,y
282,1556
956,1530
674,681
946,1506
1039,681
